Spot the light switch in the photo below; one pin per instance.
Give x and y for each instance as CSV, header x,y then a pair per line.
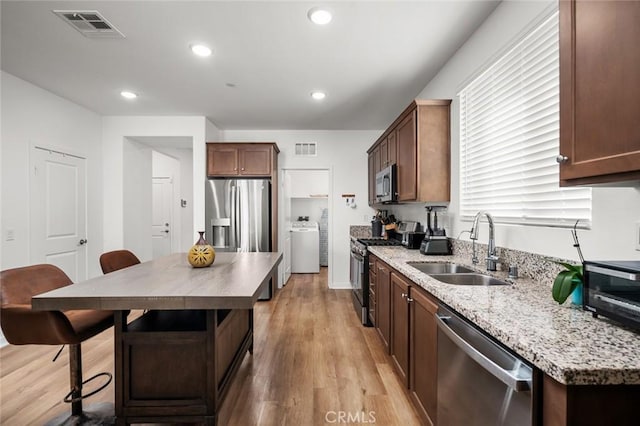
x,y
11,235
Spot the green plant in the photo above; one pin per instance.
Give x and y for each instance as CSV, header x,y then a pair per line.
x,y
566,281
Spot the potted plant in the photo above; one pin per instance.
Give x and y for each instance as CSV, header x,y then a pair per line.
x,y
567,282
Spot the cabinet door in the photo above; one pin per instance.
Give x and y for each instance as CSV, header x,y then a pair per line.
x,y
391,149
255,160
383,303
599,94
423,354
222,160
377,160
384,158
406,158
372,180
373,281
400,325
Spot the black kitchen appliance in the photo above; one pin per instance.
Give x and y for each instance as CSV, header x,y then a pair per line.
x,y
435,241
612,289
386,186
359,273
413,240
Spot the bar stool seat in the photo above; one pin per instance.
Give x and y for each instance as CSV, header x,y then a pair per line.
x,y
23,326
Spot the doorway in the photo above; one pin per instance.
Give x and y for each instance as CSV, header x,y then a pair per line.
x,y
58,203
306,194
158,195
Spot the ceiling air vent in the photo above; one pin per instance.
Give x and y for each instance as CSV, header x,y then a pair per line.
x,y
90,23
306,149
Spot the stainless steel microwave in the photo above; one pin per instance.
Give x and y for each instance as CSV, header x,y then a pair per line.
x,y
386,185
612,289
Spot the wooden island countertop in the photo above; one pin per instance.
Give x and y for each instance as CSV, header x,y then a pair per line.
x,y
234,281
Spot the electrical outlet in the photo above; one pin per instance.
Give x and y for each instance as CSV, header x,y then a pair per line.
x,y
638,236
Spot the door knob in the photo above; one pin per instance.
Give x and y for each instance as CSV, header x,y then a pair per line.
x,y
166,231
562,158
82,241
166,224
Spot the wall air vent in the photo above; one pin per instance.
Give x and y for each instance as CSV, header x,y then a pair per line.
x,y
306,149
90,23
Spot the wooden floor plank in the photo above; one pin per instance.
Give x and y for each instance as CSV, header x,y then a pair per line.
x,y
313,362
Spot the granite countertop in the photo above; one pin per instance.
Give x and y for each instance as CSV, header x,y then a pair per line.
x,y
563,341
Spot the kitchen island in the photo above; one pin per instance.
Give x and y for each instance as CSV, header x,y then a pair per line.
x,y
176,362
586,364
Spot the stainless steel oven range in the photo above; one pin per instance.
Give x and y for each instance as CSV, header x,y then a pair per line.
x,y
359,273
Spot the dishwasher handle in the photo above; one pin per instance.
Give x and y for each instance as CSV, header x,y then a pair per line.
x,y
517,383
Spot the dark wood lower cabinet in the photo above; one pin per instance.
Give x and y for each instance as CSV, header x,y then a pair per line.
x,y
423,354
413,342
400,325
589,405
176,366
383,303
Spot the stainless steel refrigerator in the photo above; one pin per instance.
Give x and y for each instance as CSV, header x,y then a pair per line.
x,y
238,216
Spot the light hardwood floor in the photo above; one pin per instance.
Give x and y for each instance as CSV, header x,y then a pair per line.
x,y
312,363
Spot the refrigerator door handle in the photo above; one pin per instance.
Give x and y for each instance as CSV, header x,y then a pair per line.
x,y
234,218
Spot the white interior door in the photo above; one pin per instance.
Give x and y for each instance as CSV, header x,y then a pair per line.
x,y
161,196
58,233
287,226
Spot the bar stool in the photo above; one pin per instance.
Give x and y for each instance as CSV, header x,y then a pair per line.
x,y
23,326
117,259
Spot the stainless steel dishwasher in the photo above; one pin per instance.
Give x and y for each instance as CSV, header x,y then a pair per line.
x,y
479,382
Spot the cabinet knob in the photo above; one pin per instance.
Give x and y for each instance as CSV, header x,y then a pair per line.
x,y
235,169
242,169
562,159
404,295
409,299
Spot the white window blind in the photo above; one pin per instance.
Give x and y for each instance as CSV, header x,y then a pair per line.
x,y
509,136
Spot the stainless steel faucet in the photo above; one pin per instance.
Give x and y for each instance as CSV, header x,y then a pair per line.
x,y
492,258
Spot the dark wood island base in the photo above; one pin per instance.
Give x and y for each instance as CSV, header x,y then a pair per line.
x,y
177,365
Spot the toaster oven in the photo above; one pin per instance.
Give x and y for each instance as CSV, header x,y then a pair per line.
x,y
612,289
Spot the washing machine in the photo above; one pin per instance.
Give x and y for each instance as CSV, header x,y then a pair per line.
x,y
305,247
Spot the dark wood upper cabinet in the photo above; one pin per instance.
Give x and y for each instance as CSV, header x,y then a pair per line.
x,y
372,178
418,142
406,158
241,159
599,94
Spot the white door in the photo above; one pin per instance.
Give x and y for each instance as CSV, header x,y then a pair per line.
x,y
58,212
161,196
287,226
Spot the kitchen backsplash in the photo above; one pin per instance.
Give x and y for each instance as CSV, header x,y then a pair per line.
x,y
531,265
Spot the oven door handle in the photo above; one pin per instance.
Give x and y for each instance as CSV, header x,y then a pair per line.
x,y
357,256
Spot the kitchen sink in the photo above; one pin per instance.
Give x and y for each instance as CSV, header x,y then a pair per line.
x,y
468,279
440,268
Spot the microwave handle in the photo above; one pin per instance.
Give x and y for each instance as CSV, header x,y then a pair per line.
x,y
613,273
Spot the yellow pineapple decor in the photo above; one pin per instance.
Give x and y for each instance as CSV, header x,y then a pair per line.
x,y
202,253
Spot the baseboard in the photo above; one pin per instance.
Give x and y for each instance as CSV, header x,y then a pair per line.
x,y
340,286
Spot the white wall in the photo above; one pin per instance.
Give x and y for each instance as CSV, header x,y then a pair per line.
x,y
114,131
136,195
615,210
344,153
33,116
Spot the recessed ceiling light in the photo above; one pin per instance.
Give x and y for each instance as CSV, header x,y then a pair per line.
x,y
318,96
201,50
128,94
319,16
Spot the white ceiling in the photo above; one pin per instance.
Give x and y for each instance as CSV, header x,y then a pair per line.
x,y
371,60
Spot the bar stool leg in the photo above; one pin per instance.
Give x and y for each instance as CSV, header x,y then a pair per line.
x,y
75,363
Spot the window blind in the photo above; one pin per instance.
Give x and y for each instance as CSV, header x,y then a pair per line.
x,y
509,137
